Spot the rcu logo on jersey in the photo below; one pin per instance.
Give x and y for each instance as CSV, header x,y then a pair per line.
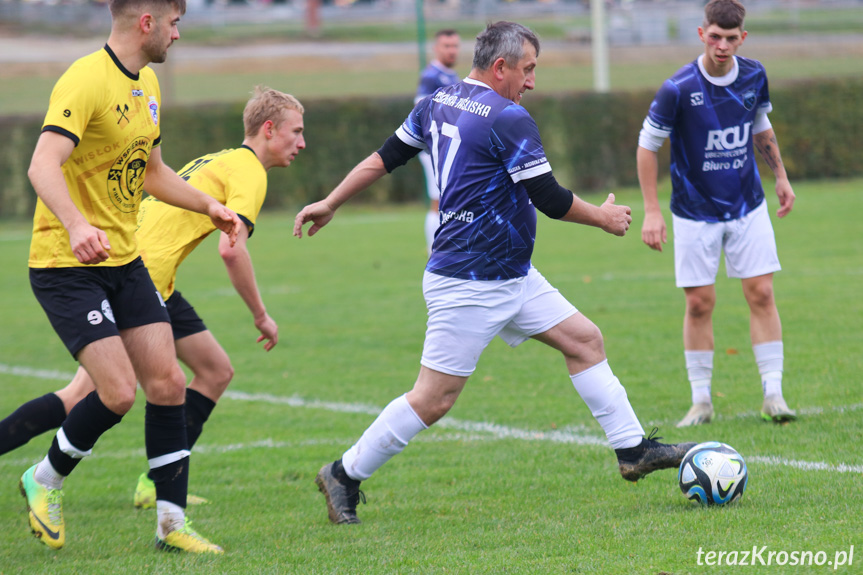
x,y
126,176
728,139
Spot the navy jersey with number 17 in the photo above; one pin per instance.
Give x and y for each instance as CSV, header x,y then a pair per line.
x,y
714,177
482,147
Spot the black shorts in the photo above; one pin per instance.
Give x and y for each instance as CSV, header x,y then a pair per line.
x,y
87,304
184,319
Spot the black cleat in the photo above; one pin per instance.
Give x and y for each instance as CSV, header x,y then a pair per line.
x,y
342,493
636,462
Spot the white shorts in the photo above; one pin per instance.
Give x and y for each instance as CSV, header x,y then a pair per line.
x,y
749,244
431,185
465,315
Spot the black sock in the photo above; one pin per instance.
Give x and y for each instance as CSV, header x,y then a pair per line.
x,y
31,419
198,410
87,421
165,436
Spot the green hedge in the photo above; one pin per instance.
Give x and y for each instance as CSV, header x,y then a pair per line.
x,y
590,140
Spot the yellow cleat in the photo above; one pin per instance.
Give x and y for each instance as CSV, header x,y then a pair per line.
x,y
188,541
145,494
45,508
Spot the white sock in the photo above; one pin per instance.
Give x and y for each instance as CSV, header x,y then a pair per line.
x,y
46,476
699,367
387,436
169,517
770,358
431,226
607,400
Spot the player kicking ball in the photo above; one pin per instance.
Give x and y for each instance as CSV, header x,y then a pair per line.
x,y
479,283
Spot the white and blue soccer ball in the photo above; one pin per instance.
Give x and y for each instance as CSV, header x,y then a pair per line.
x,y
713,473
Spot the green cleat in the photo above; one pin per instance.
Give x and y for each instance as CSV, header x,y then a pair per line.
x,y
45,507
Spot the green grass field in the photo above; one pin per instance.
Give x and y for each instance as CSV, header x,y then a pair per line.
x,y
516,479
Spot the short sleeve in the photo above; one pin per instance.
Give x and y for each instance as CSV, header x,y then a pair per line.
x,y
73,103
515,139
663,110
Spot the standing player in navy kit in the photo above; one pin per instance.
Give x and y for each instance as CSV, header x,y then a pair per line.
x,y
438,74
714,109
492,170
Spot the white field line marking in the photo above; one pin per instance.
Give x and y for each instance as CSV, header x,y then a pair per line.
x,y
36,373
475,431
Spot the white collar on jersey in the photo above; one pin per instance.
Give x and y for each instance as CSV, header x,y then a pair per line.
x,y
476,82
725,80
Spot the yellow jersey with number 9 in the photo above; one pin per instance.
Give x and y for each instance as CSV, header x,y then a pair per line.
x,y
112,116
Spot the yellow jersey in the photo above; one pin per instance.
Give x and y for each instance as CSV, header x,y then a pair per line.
x,y
112,116
167,234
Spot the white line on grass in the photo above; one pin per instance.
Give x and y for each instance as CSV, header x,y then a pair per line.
x,y
475,430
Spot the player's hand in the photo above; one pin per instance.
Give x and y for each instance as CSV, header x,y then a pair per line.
x,y
617,218
786,197
89,244
225,220
653,231
320,213
269,332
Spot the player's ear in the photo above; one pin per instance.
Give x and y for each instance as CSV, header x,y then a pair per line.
x,y
146,22
268,128
498,67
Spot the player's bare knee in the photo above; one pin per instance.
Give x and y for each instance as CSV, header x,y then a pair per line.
x,y
166,389
119,398
216,380
699,305
587,346
761,297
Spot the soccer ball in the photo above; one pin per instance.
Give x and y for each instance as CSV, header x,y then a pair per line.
x,y
712,473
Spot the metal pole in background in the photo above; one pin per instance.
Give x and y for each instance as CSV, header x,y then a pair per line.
x,y
599,46
421,34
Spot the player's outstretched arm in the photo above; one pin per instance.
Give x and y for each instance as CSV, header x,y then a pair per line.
x,y
164,183
89,244
241,272
320,213
768,147
609,217
653,231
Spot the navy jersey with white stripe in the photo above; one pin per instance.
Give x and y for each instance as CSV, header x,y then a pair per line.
x,y
482,147
714,176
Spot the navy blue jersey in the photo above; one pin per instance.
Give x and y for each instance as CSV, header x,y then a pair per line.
x,y
482,147
433,77
714,176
